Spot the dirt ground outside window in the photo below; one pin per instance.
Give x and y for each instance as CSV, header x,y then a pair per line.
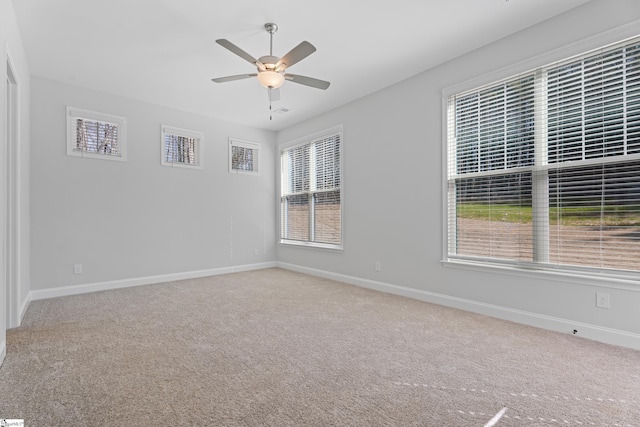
x,y
614,247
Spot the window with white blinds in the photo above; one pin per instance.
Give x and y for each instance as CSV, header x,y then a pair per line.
x,y
310,197
181,147
244,157
543,169
95,135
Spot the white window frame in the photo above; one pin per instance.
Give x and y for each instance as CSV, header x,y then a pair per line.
x,y
186,133
592,277
74,113
306,140
255,146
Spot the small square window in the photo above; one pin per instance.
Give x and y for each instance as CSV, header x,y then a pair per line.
x,y
244,157
181,147
95,135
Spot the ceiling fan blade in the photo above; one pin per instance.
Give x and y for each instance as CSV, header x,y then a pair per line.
x,y
241,53
232,78
274,94
296,54
307,81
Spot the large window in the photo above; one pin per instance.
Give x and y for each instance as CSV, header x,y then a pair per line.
x,y
543,169
310,197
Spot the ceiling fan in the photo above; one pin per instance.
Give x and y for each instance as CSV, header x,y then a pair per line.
x,y
271,69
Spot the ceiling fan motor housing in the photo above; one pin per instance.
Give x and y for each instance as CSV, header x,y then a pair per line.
x,y
269,62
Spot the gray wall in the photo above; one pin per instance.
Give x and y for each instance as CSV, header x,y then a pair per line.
x,y
393,187
139,219
136,219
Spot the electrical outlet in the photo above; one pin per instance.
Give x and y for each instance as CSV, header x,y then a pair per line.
x,y
77,269
377,266
603,300
256,252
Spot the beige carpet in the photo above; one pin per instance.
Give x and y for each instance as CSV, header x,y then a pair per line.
x,y
278,348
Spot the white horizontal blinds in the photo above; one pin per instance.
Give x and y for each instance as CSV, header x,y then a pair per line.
x,y
492,129
94,136
244,158
632,98
311,191
594,142
181,149
295,194
545,167
493,217
327,213
595,215
593,103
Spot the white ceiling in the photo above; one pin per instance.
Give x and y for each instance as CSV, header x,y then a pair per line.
x,y
164,51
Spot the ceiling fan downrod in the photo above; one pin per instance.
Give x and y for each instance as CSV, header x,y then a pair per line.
x,y
271,29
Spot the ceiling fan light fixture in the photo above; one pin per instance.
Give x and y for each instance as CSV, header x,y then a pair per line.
x,y
271,79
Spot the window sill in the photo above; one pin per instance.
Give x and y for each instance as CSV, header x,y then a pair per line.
x,y
605,279
323,246
93,155
182,165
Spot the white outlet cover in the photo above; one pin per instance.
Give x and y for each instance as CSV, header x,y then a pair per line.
x,y
603,300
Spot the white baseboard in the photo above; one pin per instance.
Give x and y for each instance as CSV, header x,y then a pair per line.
x,y
23,308
149,280
3,351
585,330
